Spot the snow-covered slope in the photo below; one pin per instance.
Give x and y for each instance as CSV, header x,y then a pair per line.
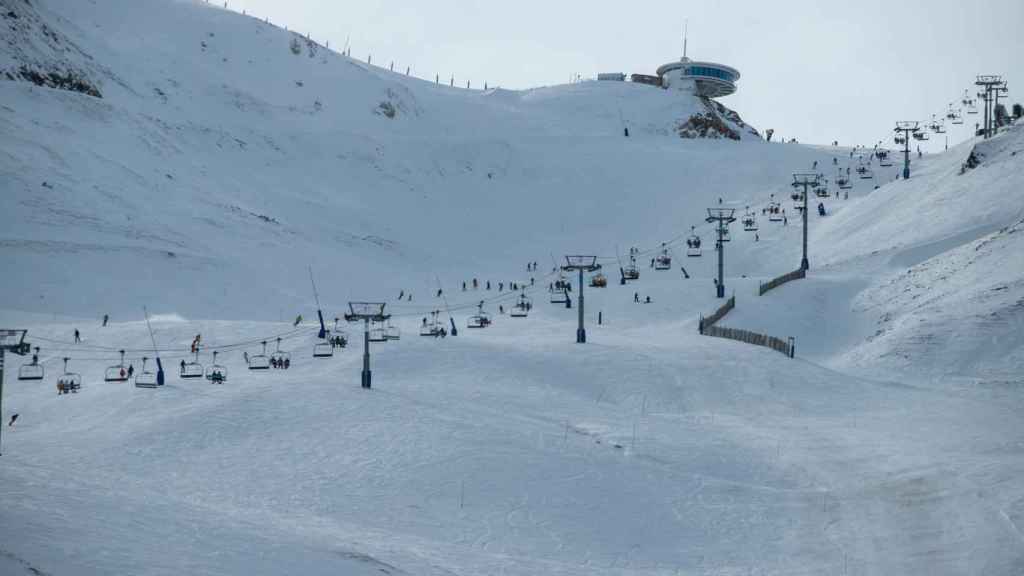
x,y
219,163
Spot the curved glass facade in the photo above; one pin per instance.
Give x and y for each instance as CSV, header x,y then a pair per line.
x,y
711,72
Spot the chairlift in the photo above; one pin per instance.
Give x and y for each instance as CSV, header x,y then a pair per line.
x,y
598,281
216,373
558,292
663,261
521,309
867,174
749,221
378,333
280,359
821,191
481,319
844,183
774,212
392,332
145,378
693,245
323,350
432,327
192,369
260,361
117,372
68,382
33,370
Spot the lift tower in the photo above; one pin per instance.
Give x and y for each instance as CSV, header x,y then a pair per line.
x,y
581,264
724,217
10,341
907,127
805,180
366,311
991,83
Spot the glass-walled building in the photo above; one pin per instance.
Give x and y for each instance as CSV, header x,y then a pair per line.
x,y
702,78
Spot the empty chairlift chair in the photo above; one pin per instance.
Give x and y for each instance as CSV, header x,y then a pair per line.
x,y
324,349
378,333
68,382
392,332
191,369
216,373
280,359
260,361
117,372
145,378
32,371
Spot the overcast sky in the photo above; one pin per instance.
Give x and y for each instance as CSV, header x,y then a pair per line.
x,y
814,70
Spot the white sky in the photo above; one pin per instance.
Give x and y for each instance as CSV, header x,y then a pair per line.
x,y
814,70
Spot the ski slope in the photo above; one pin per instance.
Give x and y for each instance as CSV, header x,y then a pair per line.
x,y
206,181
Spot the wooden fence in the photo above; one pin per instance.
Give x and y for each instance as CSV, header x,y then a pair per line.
x,y
707,327
776,282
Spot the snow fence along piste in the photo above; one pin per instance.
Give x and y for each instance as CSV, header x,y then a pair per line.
x,y
707,327
780,280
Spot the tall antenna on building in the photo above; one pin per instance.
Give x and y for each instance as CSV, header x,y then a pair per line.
x,y
686,33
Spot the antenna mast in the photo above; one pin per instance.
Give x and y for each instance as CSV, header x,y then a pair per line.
x,y
686,33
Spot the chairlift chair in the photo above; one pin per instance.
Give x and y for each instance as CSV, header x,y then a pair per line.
x,y
867,174
663,261
693,245
117,372
280,358
479,320
33,370
598,281
821,191
192,369
521,309
392,332
68,382
749,221
216,373
774,211
323,350
431,327
557,294
377,332
145,378
844,183
260,361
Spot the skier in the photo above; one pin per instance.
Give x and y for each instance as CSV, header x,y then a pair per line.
x,y
78,336
14,417
245,355
636,297
182,368
106,318
815,165
647,300
475,285
501,286
401,294
131,370
488,284
298,320
439,292
463,285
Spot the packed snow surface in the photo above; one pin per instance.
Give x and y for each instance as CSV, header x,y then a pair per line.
x,y
220,165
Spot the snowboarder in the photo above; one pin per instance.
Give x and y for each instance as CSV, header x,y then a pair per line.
x,y
78,336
